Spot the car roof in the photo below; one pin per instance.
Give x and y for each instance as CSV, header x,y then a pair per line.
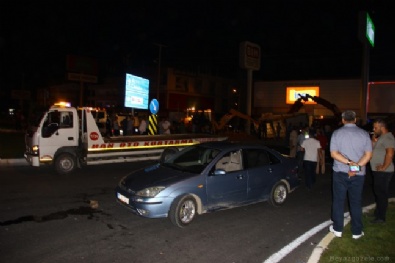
x,y
227,145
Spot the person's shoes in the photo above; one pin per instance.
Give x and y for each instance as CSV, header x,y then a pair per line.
x,y
336,233
377,221
358,236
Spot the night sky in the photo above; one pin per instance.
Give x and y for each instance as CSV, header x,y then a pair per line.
x,y
298,39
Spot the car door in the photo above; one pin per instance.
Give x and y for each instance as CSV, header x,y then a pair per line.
x,y
229,187
261,166
58,130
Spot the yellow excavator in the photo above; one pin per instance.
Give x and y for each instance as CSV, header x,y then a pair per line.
x,y
220,126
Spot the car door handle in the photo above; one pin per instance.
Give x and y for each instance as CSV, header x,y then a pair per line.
x,y
269,170
240,176
70,138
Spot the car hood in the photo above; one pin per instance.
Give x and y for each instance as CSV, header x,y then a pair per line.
x,y
155,175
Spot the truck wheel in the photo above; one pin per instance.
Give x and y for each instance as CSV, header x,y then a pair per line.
x,y
183,211
65,163
279,194
167,153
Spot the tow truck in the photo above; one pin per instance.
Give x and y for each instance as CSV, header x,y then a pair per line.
x,y
69,138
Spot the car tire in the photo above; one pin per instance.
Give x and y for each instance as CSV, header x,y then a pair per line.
x,y
182,211
279,194
167,153
65,163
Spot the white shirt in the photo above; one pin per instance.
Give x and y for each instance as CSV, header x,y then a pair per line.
x,y
311,146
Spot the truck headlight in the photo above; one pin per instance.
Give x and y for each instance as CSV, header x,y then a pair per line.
x,y
35,149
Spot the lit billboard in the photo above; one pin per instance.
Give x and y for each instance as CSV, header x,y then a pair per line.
x,y
294,93
136,92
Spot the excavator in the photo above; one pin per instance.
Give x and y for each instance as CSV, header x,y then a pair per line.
x,y
298,104
291,116
219,126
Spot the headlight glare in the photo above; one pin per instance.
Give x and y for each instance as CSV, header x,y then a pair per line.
x,y
35,148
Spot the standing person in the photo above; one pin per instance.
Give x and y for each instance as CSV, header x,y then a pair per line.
x,y
136,124
382,167
143,127
320,136
129,125
115,125
108,126
263,126
303,135
293,142
312,153
124,125
278,131
351,150
166,126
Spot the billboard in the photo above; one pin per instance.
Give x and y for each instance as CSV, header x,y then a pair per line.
x,y
136,92
294,92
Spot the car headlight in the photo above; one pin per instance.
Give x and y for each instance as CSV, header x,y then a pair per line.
x,y
150,191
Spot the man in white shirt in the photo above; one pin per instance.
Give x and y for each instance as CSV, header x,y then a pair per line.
x,y
312,153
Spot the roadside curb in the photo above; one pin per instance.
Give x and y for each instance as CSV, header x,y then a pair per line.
x,y
13,162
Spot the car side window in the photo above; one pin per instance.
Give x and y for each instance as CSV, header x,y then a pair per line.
x,y
273,158
257,158
230,162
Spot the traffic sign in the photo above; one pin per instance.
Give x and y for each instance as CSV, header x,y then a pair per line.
x,y
154,106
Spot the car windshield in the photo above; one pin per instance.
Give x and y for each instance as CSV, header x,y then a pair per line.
x,y
193,159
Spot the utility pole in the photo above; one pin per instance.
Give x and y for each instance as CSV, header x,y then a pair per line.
x,y
159,68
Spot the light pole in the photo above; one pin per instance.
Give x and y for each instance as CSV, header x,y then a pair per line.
x,y
159,68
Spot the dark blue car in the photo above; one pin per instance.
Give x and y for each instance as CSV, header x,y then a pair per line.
x,y
208,177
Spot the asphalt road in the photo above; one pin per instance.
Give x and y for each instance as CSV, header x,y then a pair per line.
x,y
45,217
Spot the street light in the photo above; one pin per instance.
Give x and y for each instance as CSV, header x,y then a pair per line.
x,y
159,68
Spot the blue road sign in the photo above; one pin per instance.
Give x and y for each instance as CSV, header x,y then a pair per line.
x,y
154,106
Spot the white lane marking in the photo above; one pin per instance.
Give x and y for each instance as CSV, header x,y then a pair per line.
x,y
276,257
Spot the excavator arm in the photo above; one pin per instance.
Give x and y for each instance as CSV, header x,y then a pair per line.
x,y
336,111
227,117
299,104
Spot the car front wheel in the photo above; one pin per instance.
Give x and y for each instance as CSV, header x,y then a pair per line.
x,y
183,211
279,194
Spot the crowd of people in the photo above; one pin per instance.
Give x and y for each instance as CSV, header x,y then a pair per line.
x,y
354,152
133,125
129,125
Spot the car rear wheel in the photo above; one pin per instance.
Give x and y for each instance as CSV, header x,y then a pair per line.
x,y
183,211
65,163
279,194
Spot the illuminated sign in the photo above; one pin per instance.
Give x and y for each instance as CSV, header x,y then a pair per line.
x,y
294,93
136,92
250,56
369,30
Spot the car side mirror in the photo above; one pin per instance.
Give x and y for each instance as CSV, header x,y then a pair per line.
x,y
219,172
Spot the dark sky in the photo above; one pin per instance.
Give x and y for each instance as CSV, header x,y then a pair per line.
x,y
298,39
